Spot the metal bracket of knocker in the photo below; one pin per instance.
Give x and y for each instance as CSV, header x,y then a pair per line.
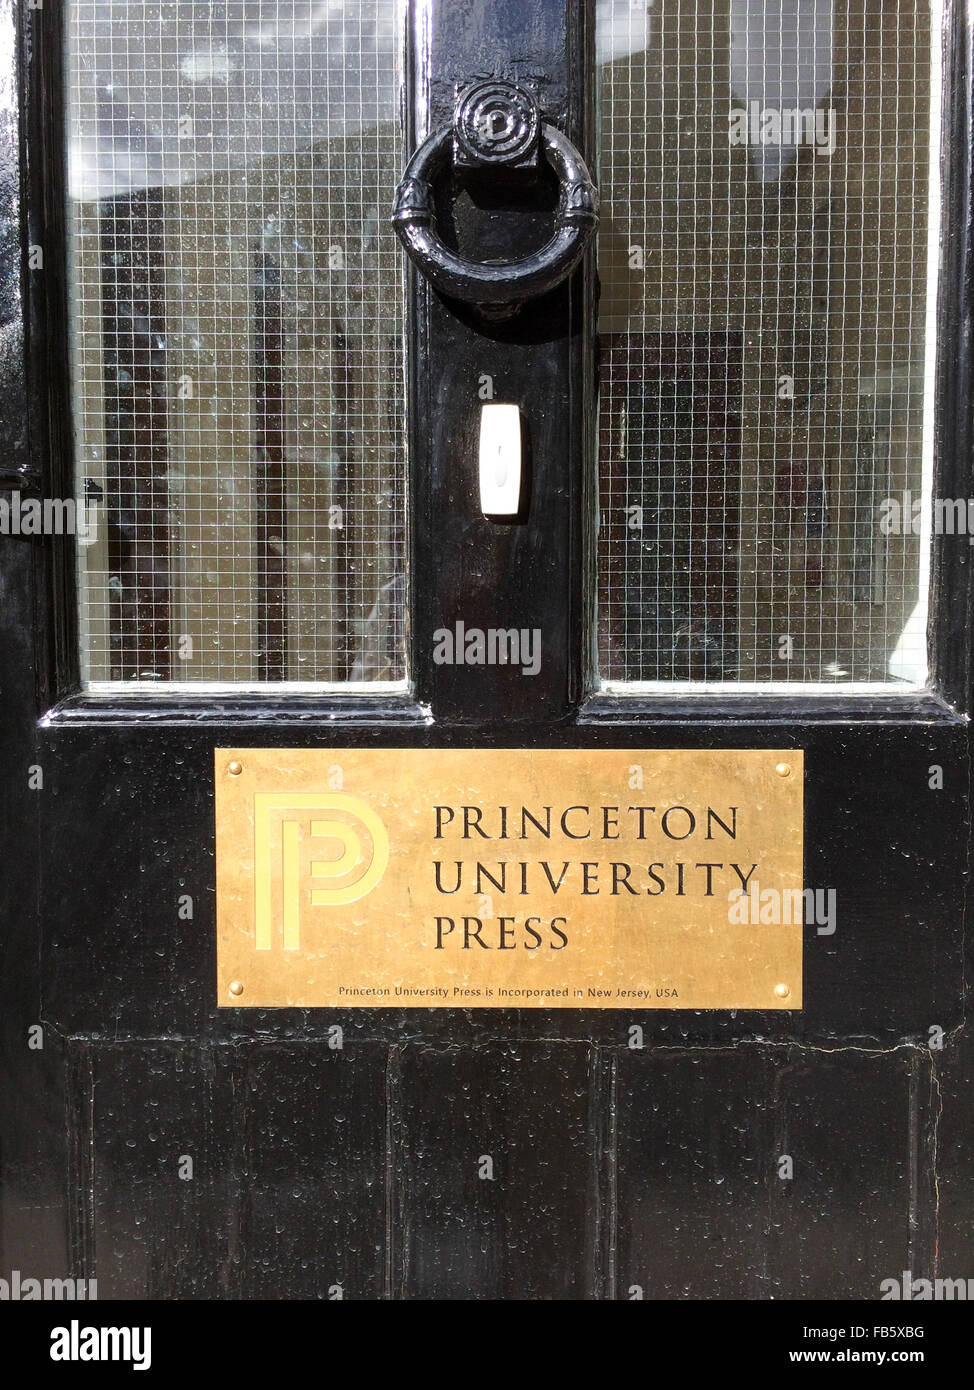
x,y
497,125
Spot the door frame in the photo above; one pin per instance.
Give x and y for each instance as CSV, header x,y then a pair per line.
x,y
857,747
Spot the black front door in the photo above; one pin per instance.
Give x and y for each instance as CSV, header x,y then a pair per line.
x,y
665,482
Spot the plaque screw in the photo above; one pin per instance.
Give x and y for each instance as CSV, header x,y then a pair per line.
x,y
782,769
782,991
236,987
235,769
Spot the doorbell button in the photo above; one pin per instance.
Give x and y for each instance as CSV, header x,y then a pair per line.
x,y
500,460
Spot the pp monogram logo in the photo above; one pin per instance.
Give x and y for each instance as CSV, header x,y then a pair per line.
x,y
295,861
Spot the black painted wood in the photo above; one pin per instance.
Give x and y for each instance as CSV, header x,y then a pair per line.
x,y
311,1154
34,1199
859,1126
953,1134
615,1167
153,1159
691,1154
466,568
495,1179
229,1172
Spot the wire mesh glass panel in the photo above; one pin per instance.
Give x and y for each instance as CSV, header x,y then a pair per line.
x,y
236,339
769,228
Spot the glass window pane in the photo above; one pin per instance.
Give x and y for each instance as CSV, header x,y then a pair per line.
x,y
236,339
765,339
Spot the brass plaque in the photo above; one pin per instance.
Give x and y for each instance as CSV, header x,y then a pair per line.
x,y
513,878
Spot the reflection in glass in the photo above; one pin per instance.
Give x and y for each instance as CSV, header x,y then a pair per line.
x,y
237,321
764,344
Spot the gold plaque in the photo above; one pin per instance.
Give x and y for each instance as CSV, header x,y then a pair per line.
x,y
510,878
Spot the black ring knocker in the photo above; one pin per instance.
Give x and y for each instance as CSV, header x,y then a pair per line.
x,y
496,123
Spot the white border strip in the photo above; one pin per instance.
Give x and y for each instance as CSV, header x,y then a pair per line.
x,y
163,688
934,199
659,688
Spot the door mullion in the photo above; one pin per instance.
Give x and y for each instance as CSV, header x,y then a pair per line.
x,y
471,575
